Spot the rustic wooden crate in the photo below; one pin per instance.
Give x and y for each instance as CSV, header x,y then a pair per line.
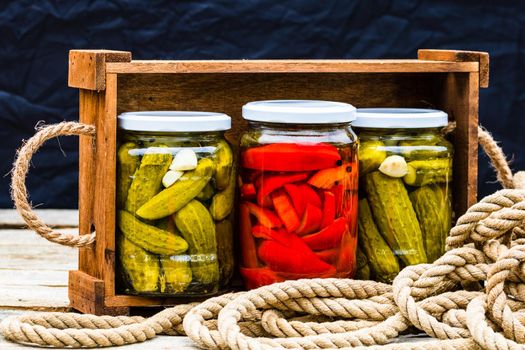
x,y
110,82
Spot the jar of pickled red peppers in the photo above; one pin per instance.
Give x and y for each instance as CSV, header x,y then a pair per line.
x,y
298,191
405,201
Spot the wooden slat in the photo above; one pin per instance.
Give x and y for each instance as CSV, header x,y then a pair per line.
x,y
460,56
291,66
87,68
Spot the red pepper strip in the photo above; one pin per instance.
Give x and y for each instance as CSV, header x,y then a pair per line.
x,y
270,183
310,196
329,255
248,191
327,178
264,216
346,264
338,192
328,237
290,157
328,208
284,208
249,253
289,254
258,277
297,197
311,220
264,232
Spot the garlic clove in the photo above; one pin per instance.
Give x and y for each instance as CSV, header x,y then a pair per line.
x,y
394,166
185,159
171,177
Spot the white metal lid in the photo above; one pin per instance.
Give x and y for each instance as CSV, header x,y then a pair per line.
x,y
174,121
299,111
391,118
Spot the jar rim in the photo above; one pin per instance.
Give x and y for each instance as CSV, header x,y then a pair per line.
x,y
299,112
174,121
406,118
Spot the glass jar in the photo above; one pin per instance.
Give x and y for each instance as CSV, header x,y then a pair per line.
x,y
298,189
175,199
405,206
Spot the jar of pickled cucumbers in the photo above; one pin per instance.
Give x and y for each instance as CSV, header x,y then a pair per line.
x,y
405,172
298,191
175,195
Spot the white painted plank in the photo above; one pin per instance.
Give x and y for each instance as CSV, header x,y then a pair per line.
x,y
52,217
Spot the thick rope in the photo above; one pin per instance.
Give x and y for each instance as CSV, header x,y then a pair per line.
x,y
18,183
486,248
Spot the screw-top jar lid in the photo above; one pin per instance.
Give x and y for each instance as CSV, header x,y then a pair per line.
x,y
408,118
299,112
174,121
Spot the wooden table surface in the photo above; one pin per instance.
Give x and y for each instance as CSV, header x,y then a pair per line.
x,y
33,275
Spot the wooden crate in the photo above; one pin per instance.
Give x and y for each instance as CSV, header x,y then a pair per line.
x,y
110,83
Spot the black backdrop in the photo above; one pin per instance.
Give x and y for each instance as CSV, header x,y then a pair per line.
x,y
35,37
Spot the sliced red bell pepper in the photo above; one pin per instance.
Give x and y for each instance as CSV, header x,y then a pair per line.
x,y
248,191
289,254
258,277
338,192
291,157
311,220
328,255
346,263
328,208
263,232
327,178
297,197
264,216
248,251
269,183
284,208
328,237
310,196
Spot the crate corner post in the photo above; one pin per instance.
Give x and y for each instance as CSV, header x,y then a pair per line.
x,y
94,280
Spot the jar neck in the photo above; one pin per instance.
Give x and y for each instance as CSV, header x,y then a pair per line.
x,y
263,126
398,131
193,134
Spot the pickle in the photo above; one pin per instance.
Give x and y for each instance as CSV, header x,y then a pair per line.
x,y
206,193
224,238
167,224
141,268
371,155
434,212
222,203
395,217
224,162
147,180
381,259
196,226
175,273
171,199
427,172
127,165
430,147
149,237
363,270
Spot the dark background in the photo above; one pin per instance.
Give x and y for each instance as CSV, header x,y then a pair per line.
x,y
35,37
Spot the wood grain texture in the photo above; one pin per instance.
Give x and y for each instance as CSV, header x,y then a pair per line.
x,y
87,68
460,56
290,66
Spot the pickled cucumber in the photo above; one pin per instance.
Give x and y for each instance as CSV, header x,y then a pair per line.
x,y
222,203
426,148
434,212
147,180
381,259
141,268
198,229
371,155
127,165
224,238
224,162
149,237
395,217
206,193
363,270
173,198
426,172
175,273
